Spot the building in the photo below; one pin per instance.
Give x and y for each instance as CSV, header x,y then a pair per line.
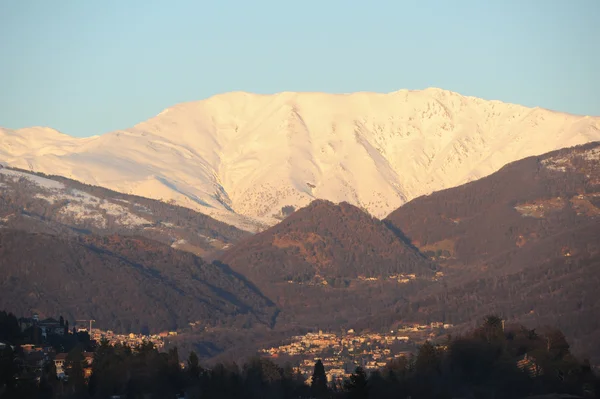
x,y
59,363
51,326
26,322
89,357
61,358
529,364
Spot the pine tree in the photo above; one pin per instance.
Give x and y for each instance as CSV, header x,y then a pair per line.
x,y
193,366
357,386
427,359
493,328
8,370
318,384
75,364
557,344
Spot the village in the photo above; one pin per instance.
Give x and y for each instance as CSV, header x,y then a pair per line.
x,y
342,353
131,339
49,334
48,342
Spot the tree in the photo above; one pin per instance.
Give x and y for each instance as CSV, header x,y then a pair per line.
x,y
175,377
75,365
557,344
225,382
8,370
49,386
193,366
293,381
9,328
493,328
357,386
428,360
194,374
102,383
318,383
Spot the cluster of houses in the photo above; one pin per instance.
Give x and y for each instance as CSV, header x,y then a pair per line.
x,y
39,353
131,340
342,353
36,357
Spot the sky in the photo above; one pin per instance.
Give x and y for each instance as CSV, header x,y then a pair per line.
x,y
90,67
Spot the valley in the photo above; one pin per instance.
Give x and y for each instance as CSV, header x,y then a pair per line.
x,y
521,243
299,200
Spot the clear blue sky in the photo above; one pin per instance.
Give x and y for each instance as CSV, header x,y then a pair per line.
x,y
89,67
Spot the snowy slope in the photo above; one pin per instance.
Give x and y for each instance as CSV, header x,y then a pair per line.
x,y
241,157
43,203
78,205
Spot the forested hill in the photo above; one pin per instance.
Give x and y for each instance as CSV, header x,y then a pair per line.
x,y
523,203
524,242
330,265
127,284
326,242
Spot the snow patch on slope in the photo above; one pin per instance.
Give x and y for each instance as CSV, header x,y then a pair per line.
x,y
41,182
82,206
563,163
78,204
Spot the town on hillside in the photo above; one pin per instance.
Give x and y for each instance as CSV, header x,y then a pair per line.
x,y
45,358
342,353
49,340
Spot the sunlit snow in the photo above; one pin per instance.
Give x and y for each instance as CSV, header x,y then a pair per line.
x,y
241,157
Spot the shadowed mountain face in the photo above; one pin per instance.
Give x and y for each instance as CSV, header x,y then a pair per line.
x,y
89,253
523,242
517,207
124,283
330,262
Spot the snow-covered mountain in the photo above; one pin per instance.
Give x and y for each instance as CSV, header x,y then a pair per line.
x,y
241,157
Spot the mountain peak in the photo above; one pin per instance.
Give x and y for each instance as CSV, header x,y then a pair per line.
x,y
326,239
242,157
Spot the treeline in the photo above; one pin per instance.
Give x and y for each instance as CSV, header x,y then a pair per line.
x,y
144,372
489,362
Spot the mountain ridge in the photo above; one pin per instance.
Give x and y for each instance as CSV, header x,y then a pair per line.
x,y
98,210
241,157
522,243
